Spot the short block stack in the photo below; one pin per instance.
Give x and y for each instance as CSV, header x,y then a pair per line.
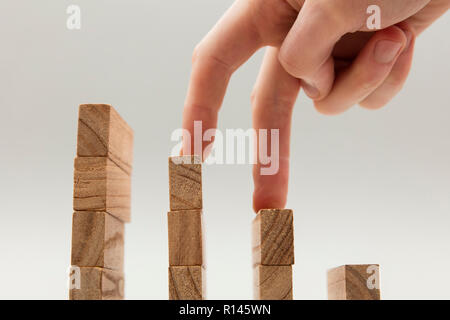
x,y
354,282
101,202
186,256
273,254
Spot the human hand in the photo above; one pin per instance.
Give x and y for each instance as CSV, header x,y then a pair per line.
x,y
321,45
344,63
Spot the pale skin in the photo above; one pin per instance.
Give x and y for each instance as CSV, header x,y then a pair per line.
x,y
322,46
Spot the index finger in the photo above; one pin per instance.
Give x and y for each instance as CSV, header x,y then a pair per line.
x,y
231,42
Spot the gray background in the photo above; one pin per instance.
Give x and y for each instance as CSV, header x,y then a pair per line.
x,y
366,187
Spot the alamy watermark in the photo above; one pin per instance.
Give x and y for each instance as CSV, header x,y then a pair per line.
x,y
373,281
236,146
73,21
374,20
74,277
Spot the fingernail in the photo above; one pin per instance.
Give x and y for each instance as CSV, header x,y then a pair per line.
x,y
310,90
386,51
408,35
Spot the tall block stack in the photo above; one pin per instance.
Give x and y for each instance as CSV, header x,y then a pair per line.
x,y
101,202
354,282
186,241
273,254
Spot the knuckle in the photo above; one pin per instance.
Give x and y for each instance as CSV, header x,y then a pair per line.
x,y
368,85
281,106
395,81
368,81
336,13
326,8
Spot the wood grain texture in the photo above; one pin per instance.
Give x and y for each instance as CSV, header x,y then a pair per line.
x,y
103,133
187,283
354,282
100,185
336,283
273,237
99,284
272,282
97,240
185,183
185,238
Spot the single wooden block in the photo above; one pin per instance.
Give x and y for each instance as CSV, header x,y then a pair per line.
x,y
272,282
354,282
273,237
97,240
98,284
185,183
185,238
103,133
100,185
187,283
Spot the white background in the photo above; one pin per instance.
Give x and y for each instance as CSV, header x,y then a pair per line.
x,y
366,187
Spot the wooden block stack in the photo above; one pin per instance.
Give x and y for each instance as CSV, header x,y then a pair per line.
x,y
273,254
354,282
101,202
186,255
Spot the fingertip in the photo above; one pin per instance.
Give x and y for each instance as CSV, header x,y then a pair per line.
x,y
388,45
372,103
393,33
311,90
261,201
322,81
396,78
409,32
270,190
287,62
326,110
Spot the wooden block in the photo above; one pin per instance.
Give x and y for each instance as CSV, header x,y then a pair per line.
x,y
187,283
97,240
273,237
103,133
185,183
272,282
185,238
99,284
100,185
354,282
